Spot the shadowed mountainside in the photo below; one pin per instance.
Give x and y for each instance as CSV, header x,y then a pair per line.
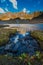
x,y
36,17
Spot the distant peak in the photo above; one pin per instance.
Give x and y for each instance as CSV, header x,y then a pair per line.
x,y
21,15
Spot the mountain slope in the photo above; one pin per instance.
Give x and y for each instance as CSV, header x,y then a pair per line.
x,y
21,15
22,18
38,19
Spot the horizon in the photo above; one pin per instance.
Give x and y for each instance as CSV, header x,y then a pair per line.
x,y
23,12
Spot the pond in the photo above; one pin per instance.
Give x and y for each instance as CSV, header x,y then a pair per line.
x,y
20,43
27,26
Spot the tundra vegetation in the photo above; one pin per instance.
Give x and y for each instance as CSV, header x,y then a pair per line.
x,y
38,35
23,59
5,34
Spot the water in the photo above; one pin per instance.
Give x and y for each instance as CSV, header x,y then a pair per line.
x,y
28,27
20,43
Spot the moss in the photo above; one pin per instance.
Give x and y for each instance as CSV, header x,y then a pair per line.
x,y
26,60
38,35
5,34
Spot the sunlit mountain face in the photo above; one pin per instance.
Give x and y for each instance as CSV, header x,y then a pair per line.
x,y
27,6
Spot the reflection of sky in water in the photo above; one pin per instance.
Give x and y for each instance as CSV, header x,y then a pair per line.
x,y
16,39
24,43
29,26
20,43
40,26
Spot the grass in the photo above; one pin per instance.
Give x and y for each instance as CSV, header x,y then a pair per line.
x,y
5,34
38,35
23,59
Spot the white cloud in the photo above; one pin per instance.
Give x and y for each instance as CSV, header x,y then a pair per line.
x,y
1,10
14,3
25,10
6,9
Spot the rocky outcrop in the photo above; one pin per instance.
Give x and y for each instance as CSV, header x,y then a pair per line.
x,y
21,15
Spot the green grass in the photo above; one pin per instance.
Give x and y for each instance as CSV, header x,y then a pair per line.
x,y
23,59
5,34
38,35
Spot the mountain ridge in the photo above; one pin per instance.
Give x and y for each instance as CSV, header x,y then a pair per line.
x,y
21,15
35,20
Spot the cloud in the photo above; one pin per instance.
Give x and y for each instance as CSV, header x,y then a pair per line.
x,y
1,10
6,9
26,11
14,2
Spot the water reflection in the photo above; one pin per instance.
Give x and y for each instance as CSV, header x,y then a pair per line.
x,y
20,43
27,26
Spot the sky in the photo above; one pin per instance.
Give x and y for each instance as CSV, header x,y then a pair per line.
x,y
27,6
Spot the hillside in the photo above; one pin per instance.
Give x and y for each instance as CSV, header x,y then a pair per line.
x,y
21,15
36,17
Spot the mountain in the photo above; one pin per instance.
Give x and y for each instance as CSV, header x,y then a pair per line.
x,y
38,19
21,15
